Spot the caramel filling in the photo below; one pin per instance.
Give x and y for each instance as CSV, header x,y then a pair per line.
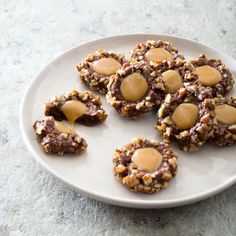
x,y
158,54
62,128
133,87
106,66
172,80
185,115
147,159
208,76
73,109
226,114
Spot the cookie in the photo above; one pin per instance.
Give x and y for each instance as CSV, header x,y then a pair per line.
x,y
84,108
187,117
97,69
56,138
161,53
211,73
145,165
225,123
174,78
135,89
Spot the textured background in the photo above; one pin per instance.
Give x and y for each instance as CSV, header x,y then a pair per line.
x,y
32,202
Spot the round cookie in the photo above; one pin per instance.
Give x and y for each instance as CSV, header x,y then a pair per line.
x,y
186,118
211,73
84,108
174,78
225,123
97,68
161,53
135,89
145,165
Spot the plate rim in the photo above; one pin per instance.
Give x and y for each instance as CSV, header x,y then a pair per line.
x,y
96,195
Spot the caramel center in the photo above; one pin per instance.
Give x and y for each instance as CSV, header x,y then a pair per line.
x,y
106,66
185,115
172,80
147,159
62,128
158,54
73,109
226,114
208,76
133,87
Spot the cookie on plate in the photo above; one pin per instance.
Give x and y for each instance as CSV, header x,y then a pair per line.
x,y
158,52
174,78
145,165
57,138
97,68
84,108
225,123
135,89
211,73
186,118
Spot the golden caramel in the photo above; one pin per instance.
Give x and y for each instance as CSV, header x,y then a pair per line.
x,y
106,66
172,80
226,114
147,159
158,54
63,129
185,115
208,76
134,87
73,109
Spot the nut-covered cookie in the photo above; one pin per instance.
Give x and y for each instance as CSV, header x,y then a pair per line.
x,y
161,53
145,165
84,108
187,118
135,89
174,78
177,76
97,68
57,138
225,123
211,73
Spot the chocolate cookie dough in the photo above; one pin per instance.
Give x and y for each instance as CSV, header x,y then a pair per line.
x,y
97,68
56,138
225,123
84,108
135,89
186,118
211,73
159,52
145,165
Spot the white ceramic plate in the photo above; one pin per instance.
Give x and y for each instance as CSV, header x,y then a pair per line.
x,y
200,174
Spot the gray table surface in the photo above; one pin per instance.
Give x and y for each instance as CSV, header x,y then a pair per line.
x,y
32,201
